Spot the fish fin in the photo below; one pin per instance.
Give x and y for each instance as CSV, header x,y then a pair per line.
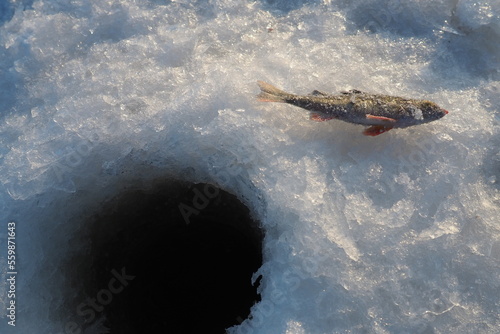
x,y
317,117
352,91
381,118
266,97
318,93
269,93
376,130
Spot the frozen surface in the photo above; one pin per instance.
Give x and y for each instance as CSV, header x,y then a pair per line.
x,y
398,233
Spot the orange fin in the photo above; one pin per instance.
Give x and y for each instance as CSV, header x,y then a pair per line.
x,y
381,118
266,97
319,118
269,93
376,130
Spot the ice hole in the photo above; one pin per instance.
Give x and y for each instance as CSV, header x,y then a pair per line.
x,y
174,259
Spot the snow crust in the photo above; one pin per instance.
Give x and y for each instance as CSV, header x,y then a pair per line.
x,y
398,233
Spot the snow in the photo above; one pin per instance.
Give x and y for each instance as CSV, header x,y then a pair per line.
x,y
397,233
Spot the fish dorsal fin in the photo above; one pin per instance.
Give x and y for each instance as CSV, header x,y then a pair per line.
x,y
351,91
318,93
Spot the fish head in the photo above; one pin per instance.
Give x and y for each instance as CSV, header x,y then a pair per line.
x,y
431,111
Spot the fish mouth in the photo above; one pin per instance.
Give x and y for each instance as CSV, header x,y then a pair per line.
x,y
444,111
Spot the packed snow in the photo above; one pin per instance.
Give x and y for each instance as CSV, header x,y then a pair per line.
x,y
398,233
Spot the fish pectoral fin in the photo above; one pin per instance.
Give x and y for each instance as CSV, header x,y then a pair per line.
x,y
381,118
317,117
318,93
376,130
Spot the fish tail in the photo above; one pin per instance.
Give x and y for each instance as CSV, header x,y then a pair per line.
x,y
269,93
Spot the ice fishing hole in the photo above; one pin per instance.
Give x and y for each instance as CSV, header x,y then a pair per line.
x,y
174,259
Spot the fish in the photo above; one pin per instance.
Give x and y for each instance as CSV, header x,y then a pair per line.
x,y
379,112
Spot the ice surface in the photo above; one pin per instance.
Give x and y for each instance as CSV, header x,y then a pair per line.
x,y
398,233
